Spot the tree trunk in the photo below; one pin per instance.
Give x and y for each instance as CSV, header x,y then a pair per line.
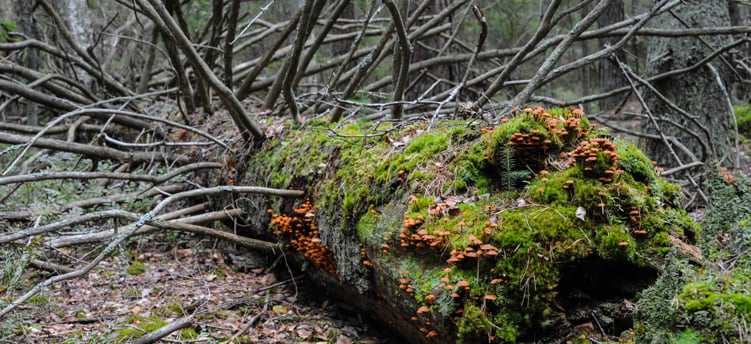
x,y
610,75
75,14
417,229
739,16
707,130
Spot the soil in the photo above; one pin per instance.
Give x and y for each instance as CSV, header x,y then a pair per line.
x,y
226,298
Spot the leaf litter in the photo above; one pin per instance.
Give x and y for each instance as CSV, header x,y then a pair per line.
x,y
228,304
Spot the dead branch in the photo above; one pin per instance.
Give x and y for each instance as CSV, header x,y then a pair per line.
x,y
247,84
243,122
542,30
549,63
405,52
165,330
92,151
158,179
88,203
480,42
140,222
294,60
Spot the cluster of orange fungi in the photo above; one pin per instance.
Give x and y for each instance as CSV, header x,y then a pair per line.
x,y
475,249
404,283
635,216
411,236
304,235
590,154
530,144
426,311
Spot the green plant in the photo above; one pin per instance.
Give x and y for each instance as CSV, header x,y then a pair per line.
x,y
511,175
13,269
135,268
6,27
743,116
10,328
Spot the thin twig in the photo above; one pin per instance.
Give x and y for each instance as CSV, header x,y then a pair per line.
x,y
142,220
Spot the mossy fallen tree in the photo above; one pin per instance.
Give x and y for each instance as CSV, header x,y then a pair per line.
x,y
539,228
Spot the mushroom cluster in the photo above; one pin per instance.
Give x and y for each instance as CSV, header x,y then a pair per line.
x,y
304,234
475,249
404,283
597,157
559,133
411,235
538,113
530,145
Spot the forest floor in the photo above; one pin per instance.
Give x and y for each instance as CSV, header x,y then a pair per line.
x,y
150,285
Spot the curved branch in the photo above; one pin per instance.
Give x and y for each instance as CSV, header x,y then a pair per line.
x,y
89,150
109,175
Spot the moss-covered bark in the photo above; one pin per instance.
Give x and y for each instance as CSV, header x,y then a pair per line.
x,y
711,303
471,234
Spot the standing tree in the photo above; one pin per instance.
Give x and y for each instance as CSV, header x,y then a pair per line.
x,y
693,110
610,75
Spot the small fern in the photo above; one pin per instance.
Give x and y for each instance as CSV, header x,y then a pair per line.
x,y
510,175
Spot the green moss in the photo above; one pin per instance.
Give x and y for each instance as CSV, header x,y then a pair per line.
x,y
366,225
140,326
39,300
188,333
632,160
615,243
699,295
376,185
135,268
743,116
713,303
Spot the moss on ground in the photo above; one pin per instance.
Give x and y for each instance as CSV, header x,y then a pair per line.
x,y
710,304
743,116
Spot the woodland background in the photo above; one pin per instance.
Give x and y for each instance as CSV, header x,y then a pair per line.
x,y
127,127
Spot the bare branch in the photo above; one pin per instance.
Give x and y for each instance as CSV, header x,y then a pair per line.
x,y
129,230
175,325
549,63
246,126
657,127
108,175
405,52
289,77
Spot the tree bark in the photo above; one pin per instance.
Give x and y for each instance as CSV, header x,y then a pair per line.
x,y
610,75
707,129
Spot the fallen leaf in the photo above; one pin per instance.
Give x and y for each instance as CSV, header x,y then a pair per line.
x,y
581,213
267,279
343,340
304,333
